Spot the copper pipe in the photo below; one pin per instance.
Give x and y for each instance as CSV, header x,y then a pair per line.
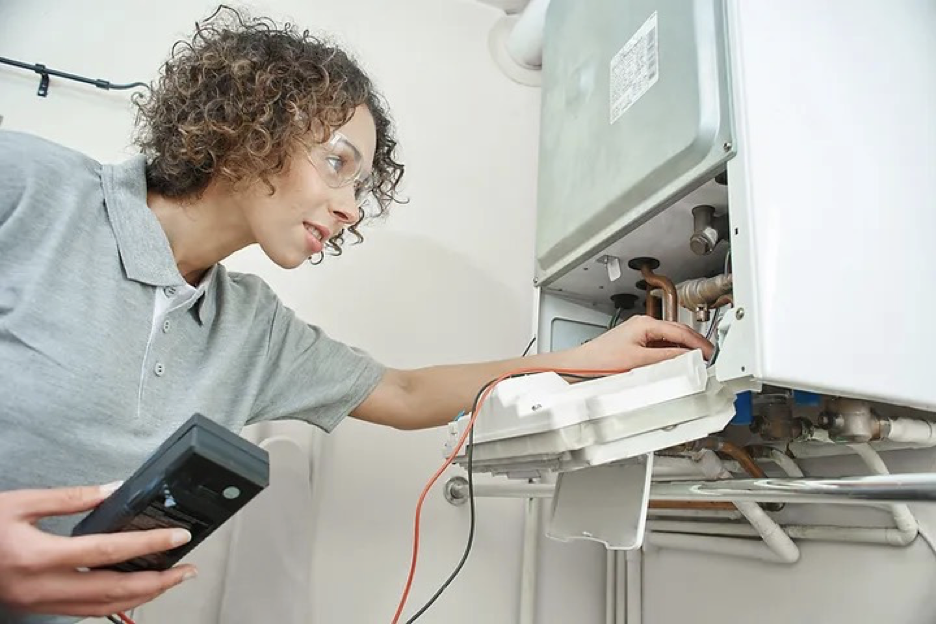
x,y
670,299
723,446
652,310
709,505
741,456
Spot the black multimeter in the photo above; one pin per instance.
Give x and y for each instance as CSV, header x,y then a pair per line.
x,y
197,479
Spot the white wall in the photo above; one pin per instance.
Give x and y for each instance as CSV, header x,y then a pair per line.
x,y
446,279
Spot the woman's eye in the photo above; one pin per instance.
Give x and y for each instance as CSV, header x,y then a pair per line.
x,y
336,163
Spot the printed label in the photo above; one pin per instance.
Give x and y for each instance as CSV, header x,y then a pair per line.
x,y
635,68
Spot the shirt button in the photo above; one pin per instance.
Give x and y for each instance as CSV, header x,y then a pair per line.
x,y
166,326
159,369
170,291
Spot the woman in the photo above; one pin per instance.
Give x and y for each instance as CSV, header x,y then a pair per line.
x,y
117,321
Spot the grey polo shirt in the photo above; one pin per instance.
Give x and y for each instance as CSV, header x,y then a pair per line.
x,y
105,350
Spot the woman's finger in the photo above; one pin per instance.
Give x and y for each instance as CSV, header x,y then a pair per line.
x,y
646,356
679,334
93,551
105,587
35,504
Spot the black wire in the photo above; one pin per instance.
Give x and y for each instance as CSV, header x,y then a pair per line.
x,y
585,377
711,329
471,498
100,84
711,333
114,618
471,532
471,506
529,346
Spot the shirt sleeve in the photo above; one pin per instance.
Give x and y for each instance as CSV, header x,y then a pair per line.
x,y
310,376
12,183
32,171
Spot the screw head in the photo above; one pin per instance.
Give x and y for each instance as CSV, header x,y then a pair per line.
x,y
727,146
739,313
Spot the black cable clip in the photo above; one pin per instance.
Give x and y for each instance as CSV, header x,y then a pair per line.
x,y
43,80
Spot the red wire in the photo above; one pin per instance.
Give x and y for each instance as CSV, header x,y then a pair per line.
x,y
451,458
125,619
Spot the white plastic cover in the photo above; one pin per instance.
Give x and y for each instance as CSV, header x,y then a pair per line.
x,y
540,423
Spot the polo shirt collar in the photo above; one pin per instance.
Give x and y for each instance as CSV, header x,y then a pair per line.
x,y
141,241
205,309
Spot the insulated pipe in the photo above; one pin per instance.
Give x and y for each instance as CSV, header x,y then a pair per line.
x,y
611,581
673,467
729,546
525,41
907,526
786,463
723,301
696,514
756,550
703,291
912,431
859,535
707,505
620,588
853,421
634,586
532,527
774,536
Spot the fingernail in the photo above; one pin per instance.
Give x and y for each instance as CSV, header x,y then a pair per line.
x,y
189,574
180,536
110,488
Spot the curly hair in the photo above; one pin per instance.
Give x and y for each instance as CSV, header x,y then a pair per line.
x,y
235,100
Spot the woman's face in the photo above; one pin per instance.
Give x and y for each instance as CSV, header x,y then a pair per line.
x,y
315,195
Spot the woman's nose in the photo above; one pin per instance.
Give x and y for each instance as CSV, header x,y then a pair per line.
x,y
343,207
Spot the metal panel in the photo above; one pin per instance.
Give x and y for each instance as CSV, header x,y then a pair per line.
x,y
564,323
831,197
635,115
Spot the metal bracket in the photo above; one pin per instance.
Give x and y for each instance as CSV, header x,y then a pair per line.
x,y
43,81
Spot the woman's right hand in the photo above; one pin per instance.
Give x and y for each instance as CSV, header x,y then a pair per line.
x,y
39,572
